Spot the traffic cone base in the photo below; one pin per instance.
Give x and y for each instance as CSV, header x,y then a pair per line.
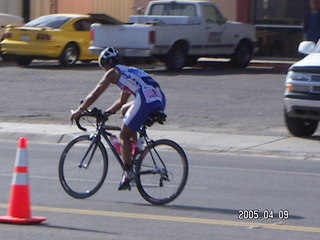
x,y
19,211
13,220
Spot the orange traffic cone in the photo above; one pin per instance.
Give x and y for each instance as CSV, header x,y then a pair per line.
x,y
19,210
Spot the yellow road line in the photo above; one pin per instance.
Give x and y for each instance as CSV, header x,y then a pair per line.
x,y
175,219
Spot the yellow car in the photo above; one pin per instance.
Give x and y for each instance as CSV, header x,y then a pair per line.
x,y
65,37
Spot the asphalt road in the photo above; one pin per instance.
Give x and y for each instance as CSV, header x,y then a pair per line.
x,y
211,97
221,189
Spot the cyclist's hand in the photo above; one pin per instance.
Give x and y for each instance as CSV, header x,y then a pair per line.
x,y
108,113
75,114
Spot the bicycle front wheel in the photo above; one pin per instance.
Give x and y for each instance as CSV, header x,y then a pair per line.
x,y
83,166
161,172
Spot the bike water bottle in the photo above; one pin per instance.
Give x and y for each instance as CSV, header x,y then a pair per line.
x,y
116,143
137,146
133,145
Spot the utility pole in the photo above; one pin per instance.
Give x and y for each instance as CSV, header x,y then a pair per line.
x,y
26,10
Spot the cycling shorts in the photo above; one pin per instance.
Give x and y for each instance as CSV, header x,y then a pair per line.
x,y
140,110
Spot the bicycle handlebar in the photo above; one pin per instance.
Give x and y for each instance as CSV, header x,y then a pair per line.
x,y
96,113
101,116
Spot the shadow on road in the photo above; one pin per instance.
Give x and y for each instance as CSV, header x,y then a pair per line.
x,y
53,65
209,68
224,211
74,229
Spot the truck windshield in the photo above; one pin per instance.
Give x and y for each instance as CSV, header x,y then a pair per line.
x,y
173,9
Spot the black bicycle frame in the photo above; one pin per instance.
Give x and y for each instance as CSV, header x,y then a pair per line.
x,y
94,145
105,135
102,131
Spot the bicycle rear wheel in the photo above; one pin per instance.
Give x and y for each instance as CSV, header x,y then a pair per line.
x,y
161,172
83,166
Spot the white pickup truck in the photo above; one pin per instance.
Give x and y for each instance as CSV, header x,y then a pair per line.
x,y
178,33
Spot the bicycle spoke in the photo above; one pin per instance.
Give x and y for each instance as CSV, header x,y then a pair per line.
x,y
163,171
84,179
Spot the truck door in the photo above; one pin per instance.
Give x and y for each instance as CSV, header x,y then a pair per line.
x,y
214,27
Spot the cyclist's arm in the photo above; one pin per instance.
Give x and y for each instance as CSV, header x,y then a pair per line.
x,y
107,79
116,106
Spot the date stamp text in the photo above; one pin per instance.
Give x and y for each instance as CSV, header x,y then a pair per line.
x,y
253,214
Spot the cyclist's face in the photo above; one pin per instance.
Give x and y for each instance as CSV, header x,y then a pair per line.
x,y
107,66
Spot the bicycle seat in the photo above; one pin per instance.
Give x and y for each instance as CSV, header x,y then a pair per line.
x,y
159,117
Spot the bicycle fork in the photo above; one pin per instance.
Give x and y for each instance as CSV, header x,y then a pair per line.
x,y
93,146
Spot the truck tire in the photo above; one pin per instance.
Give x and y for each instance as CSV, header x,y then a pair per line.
x,y
176,58
300,127
191,61
69,55
242,55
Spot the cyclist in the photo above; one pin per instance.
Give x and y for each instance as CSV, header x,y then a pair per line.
x,y
148,98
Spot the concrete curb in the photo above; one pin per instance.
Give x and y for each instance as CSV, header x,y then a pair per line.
x,y
279,146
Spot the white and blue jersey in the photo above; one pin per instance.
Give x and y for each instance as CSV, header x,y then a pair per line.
x,y
148,96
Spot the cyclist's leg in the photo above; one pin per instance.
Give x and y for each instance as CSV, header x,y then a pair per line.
x,y
130,127
126,135
125,108
136,115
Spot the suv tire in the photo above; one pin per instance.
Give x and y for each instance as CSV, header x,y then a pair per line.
x,y
300,127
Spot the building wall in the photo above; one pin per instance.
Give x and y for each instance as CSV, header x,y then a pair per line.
x,y
11,7
119,9
140,5
228,8
42,7
69,6
244,11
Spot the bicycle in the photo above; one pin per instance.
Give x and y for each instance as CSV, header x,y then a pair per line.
x,y
161,167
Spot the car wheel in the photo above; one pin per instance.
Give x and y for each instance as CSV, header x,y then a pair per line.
x,y
242,55
176,58
69,55
300,127
23,61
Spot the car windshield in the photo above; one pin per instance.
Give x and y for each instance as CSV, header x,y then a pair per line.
x,y
48,21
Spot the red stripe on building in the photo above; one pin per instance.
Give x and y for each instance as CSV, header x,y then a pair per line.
x,y
244,11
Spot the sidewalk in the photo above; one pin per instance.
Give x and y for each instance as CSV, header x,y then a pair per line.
x,y
191,141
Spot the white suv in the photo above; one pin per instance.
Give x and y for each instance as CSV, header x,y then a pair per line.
x,y
302,94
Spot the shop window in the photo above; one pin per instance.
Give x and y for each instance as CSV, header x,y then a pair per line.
x,y
285,12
